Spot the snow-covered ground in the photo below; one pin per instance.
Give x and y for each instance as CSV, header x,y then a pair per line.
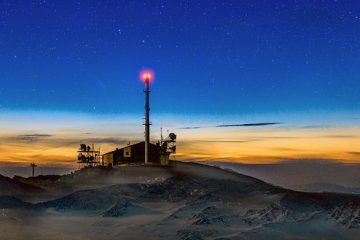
x,y
184,201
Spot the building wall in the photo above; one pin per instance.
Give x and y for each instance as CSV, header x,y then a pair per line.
x,y
132,154
108,159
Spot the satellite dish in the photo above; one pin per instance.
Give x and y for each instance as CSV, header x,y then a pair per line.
x,y
172,136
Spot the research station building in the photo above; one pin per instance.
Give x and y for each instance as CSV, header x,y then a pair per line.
x,y
135,154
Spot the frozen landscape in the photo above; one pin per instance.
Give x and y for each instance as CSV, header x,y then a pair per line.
x,y
184,201
186,120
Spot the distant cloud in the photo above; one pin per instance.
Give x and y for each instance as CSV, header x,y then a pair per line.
x,y
31,137
279,137
249,124
115,141
75,142
229,141
190,127
55,141
286,149
236,125
318,126
36,135
341,136
355,153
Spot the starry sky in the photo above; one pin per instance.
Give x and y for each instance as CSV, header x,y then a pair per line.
x,y
72,66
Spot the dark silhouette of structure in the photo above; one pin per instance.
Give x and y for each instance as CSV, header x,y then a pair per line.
x,y
139,153
33,166
159,153
147,76
132,154
89,155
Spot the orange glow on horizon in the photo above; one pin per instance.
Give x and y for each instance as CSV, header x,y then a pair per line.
x,y
247,146
54,140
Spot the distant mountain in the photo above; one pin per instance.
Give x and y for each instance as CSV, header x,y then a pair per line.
x,y
290,173
324,187
11,187
10,170
193,201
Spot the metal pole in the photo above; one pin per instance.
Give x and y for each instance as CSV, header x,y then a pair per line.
x,y
161,137
147,121
33,165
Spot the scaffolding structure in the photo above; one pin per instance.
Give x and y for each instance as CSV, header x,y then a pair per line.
x,y
167,148
169,144
89,155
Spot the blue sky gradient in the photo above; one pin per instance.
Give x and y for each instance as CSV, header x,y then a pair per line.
x,y
210,57
69,74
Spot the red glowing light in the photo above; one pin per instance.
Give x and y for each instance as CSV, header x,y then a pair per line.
x,y
147,76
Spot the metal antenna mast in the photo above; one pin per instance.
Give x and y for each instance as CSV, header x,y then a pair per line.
x,y
147,76
147,121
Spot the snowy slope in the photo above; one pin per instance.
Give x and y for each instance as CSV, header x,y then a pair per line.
x,y
192,201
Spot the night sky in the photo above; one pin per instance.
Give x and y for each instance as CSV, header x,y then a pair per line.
x,y
217,59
